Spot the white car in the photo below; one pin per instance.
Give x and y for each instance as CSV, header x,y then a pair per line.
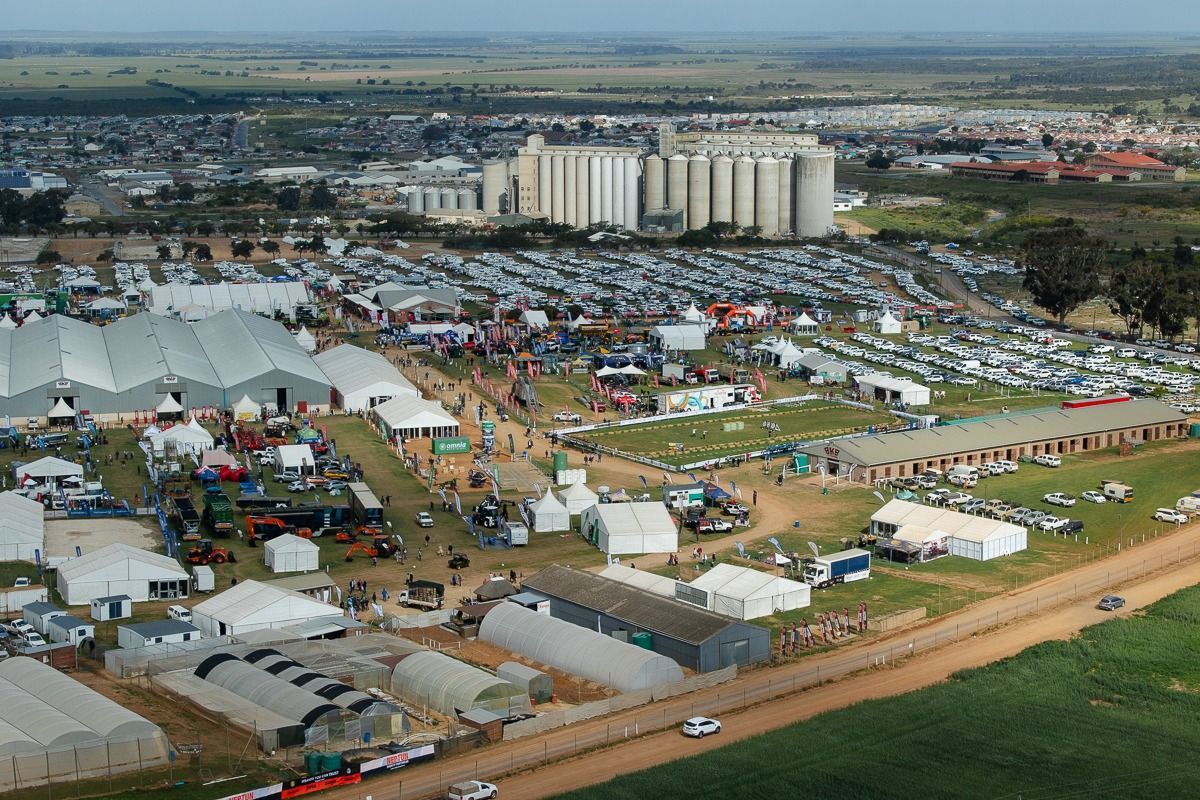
x,y
1093,497
298,487
472,790
1048,460
21,628
1053,523
34,639
1008,466
1170,515
21,583
424,520
699,727
1059,499
568,416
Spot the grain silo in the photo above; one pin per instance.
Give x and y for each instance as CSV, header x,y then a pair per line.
x,y
743,191
558,189
495,184
468,200
416,199
544,179
786,167
618,191
449,197
722,189
677,180
595,189
570,196
606,187
433,198
766,196
582,193
814,193
653,178
699,187
632,193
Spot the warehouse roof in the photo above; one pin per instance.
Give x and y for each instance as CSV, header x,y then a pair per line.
x,y
994,433
160,627
351,369
659,615
117,553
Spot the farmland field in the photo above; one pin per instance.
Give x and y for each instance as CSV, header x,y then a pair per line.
x,y
1082,718
705,437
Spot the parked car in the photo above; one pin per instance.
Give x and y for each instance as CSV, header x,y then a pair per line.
x,y
287,477
1033,518
1111,602
22,582
713,525
1048,460
471,790
21,628
973,506
1007,466
958,498
568,416
925,481
34,639
734,509
699,727
1170,515
424,520
1093,497
336,486
963,480
1053,523
266,459
1073,526
1059,499
1017,515
298,487
336,474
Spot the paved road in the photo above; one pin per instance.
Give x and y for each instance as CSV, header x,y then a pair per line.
x,y
107,197
1053,608
241,135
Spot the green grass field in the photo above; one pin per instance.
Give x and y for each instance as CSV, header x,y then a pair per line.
x,y
1103,715
813,420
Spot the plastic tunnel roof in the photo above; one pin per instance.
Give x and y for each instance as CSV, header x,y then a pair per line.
x,y
447,685
576,650
310,680
275,694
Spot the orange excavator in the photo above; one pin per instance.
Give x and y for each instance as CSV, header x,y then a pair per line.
x,y
205,553
380,548
267,528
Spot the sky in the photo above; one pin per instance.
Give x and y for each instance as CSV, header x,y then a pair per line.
x,y
928,16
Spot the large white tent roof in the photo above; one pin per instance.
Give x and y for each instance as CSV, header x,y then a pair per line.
x,y
660,585
351,369
116,554
192,433
905,514
252,602
49,467
260,298
22,521
413,412
747,593
549,514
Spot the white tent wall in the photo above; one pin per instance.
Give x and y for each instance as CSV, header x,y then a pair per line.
x,y
290,553
22,527
630,528
548,514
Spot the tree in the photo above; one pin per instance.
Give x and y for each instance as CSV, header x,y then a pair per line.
x,y
317,244
1062,267
203,252
434,133
185,192
288,198
48,257
188,248
105,256
270,247
321,198
242,248
1130,288
1047,140
878,160
164,252
205,228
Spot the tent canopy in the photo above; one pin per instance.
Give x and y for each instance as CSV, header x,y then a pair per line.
x,y
61,409
577,497
549,514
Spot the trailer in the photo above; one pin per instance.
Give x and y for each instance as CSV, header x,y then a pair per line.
x,y
844,567
365,508
218,512
706,398
1116,492
320,519
423,594
515,532
189,519
251,502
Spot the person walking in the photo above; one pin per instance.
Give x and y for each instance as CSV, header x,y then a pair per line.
x,y
754,498
846,618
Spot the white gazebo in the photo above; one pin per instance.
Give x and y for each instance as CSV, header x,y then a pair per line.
x,y
168,405
548,514
577,497
306,339
888,324
61,409
189,438
804,325
693,314
246,409
290,553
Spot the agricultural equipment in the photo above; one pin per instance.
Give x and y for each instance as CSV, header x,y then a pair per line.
x,y
205,553
381,548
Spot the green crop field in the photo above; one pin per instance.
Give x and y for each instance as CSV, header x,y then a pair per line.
x,y
1107,714
705,437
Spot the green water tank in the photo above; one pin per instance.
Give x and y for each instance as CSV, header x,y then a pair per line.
x,y
644,640
1194,430
560,461
312,762
331,761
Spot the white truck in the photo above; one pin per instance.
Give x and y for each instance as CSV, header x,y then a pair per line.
x,y
842,567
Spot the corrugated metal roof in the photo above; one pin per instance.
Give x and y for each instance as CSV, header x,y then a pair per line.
x,y
161,627
994,433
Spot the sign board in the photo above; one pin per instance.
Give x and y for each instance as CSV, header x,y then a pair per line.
x,y
62,384
451,445
170,379
488,428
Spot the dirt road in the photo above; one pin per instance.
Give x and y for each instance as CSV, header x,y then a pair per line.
x,y
1051,609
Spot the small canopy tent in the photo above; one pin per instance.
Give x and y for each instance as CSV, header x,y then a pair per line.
x,y
804,325
22,527
744,593
290,553
548,514
577,497
61,410
246,409
168,406
693,314
191,438
306,340
888,323
215,459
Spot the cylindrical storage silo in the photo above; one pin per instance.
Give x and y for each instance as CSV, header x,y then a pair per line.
x,y
495,183
677,166
722,189
606,200
468,200
786,166
569,196
449,198
814,193
766,196
558,189
743,191
653,180
582,192
618,191
416,199
595,184
545,176
699,186
433,198
632,216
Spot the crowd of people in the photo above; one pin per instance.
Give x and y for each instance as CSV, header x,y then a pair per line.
x,y
830,627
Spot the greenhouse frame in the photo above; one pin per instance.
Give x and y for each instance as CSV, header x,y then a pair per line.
x,y
448,686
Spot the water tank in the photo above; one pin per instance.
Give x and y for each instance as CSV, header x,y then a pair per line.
x,y
632,193
786,167
766,196
722,189
743,191
814,193
618,191
416,198
643,639
312,762
544,174
433,198
570,197
595,185
677,166
582,192
699,186
495,184
331,761
652,168
560,461
557,189
468,200
449,198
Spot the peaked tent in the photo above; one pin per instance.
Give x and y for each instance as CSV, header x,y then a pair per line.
x,y
548,514
246,409
169,405
6,322
61,409
191,438
578,497
804,325
693,314
888,324
306,339
48,470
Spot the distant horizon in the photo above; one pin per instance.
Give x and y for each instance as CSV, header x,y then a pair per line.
x,y
1074,33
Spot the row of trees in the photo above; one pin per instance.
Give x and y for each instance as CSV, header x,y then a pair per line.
x,y
39,211
320,198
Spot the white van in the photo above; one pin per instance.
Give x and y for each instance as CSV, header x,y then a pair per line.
x,y
1048,460
180,613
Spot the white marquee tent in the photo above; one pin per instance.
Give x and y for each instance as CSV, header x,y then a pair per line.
x,y
246,409
804,325
48,471
252,605
290,553
577,497
893,390
306,339
22,527
361,378
629,528
413,418
121,569
888,323
940,531
744,593
686,336
189,438
548,514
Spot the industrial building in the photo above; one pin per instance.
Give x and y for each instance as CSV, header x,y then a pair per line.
x,y
927,532
776,182
63,365
689,635
54,729
1058,431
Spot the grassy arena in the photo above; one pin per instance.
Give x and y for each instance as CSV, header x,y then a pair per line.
x,y
815,420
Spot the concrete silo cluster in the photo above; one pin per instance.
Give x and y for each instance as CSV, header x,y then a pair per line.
x,y
579,186
424,199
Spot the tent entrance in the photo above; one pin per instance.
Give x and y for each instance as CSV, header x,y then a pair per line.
x,y
281,401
